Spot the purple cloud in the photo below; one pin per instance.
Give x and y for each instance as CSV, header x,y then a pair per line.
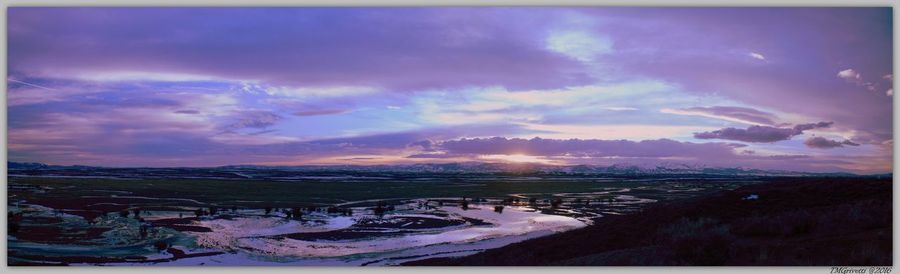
x,y
788,157
194,86
585,148
739,114
801,127
647,153
396,49
850,75
187,111
254,119
760,134
318,112
854,77
426,145
432,156
803,59
821,142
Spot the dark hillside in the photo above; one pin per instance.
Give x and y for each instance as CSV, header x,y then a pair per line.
x,y
794,221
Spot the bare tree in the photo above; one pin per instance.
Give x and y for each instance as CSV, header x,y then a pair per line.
x,y
556,203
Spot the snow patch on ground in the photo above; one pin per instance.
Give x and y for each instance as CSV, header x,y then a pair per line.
x,y
245,233
227,233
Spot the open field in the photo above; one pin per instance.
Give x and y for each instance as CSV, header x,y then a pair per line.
x,y
80,193
316,219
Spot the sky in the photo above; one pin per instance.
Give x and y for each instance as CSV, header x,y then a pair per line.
x,y
803,89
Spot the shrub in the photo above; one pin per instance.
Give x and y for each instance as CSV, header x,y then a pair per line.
x,y
868,253
865,214
789,223
12,225
13,228
698,242
161,245
379,210
331,210
556,203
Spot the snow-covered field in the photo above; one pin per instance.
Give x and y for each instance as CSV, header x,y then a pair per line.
x,y
260,240
413,231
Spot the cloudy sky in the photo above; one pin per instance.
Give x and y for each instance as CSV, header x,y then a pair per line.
x,y
806,89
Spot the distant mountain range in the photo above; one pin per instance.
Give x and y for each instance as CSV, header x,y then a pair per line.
x,y
480,167
17,165
469,167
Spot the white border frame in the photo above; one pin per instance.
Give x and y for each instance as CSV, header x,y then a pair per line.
x,y
388,3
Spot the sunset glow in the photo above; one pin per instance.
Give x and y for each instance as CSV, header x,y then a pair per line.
x,y
778,88
518,158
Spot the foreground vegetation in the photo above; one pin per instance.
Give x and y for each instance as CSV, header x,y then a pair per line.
x,y
801,221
